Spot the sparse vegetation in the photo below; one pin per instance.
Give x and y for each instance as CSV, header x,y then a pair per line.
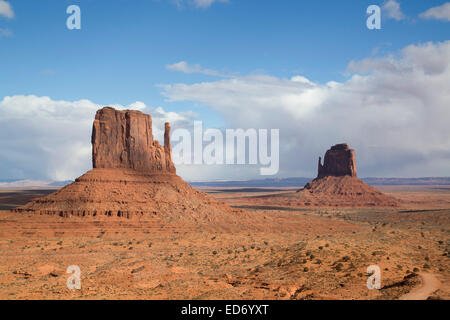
x,y
193,262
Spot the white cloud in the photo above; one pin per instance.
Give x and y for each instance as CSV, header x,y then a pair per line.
x,y
392,10
6,9
430,58
439,13
185,67
206,3
42,138
393,110
202,4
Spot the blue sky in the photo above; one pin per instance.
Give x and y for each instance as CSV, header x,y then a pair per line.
x,y
120,54
122,51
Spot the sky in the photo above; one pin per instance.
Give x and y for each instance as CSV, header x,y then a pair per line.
x,y
311,69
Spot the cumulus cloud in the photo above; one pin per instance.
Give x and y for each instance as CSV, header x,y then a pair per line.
x,y
393,11
439,13
42,138
6,10
394,110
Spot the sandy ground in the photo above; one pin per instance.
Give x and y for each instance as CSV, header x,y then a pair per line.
x,y
290,253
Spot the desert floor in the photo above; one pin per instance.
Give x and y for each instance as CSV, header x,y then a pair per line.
x,y
290,253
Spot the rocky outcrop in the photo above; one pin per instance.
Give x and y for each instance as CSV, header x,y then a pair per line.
x,y
133,176
124,139
339,161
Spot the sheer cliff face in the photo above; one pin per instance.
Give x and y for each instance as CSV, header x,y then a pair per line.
x,y
124,139
339,161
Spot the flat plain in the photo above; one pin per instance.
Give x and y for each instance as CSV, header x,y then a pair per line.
x,y
287,253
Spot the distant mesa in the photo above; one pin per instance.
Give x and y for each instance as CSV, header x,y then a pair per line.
x,y
337,183
132,176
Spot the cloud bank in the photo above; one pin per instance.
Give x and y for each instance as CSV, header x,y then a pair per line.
x,y
394,110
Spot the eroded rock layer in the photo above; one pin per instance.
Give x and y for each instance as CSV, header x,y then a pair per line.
x,y
128,193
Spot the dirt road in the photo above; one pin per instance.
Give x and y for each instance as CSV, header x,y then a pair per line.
x,y
430,284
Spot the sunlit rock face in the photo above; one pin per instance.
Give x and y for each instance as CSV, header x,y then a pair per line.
x,y
124,139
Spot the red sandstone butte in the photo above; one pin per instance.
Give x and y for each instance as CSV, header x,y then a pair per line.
x,y
338,185
339,161
124,139
132,175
